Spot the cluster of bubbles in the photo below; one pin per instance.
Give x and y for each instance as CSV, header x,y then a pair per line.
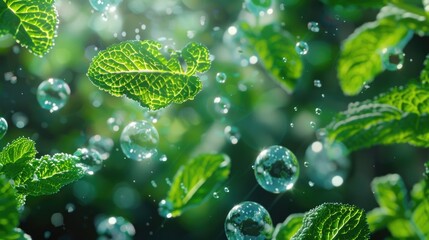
x,y
276,169
313,26
392,58
115,228
53,94
3,127
248,220
139,140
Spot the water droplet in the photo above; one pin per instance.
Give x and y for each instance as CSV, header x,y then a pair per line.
x,y
115,228
318,111
90,158
257,7
52,94
70,207
310,183
216,195
9,76
163,158
226,189
222,105
284,60
19,119
313,26
312,124
248,220
326,163
3,127
104,5
103,145
306,164
153,183
276,169
57,219
301,48
165,208
317,83
139,140
292,125
232,134
168,181
295,109
221,77
392,58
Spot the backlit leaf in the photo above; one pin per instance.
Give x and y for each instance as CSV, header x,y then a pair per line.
x,y
138,70
391,194
32,22
16,155
287,229
357,3
9,216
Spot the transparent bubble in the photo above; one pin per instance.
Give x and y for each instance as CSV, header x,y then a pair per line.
x,y
163,158
392,58
221,77
70,207
301,48
226,189
90,158
317,83
216,195
328,164
257,6
126,197
232,134
3,127
52,94
276,169
318,111
19,119
57,219
248,220
116,228
139,140
222,105
104,5
312,124
114,124
313,26
103,145
165,209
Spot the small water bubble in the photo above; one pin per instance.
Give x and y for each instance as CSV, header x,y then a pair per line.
x,y
284,60
215,195
222,105
3,127
70,207
322,95
103,145
253,60
19,119
318,111
165,208
114,124
301,48
306,164
392,58
226,189
163,158
232,134
276,169
57,219
53,94
168,181
317,83
221,77
248,220
153,183
295,109
139,140
10,77
312,124
313,26
292,125
90,158
310,183
115,228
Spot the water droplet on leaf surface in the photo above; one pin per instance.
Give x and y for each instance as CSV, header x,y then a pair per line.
x,y
139,140
392,58
276,169
248,220
301,48
53,94
3,127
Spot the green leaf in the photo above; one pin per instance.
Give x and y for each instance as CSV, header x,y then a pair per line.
x,y
399,116
33,23
391,194
420,206
334,221
424,75
412,19
194,182
357,3
360,59
49,174
16,234
287,229
276,50
9,216
16,155
138,70
378,219
426,5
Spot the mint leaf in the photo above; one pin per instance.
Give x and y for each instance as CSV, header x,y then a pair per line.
x,y
360,59
391,194
276,50
399,116
16,155
357,3
420,207
287,229
378,218
138,70
412,20
9,216
32,22
16,234
194,182
424,75
333,221
48,174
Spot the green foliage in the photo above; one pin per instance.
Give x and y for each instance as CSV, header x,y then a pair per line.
x,y
361,59
9,216
357,3
368,123
195,181
276,50
288,228
138,70
405,220
424,75
33,23
35,177
333,221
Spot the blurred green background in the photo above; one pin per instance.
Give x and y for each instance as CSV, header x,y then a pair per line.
x,y
261,109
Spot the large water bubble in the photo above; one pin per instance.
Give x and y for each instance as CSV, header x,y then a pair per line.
x,y
139,140
116,228
328,164
52,94
276,169
248,220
